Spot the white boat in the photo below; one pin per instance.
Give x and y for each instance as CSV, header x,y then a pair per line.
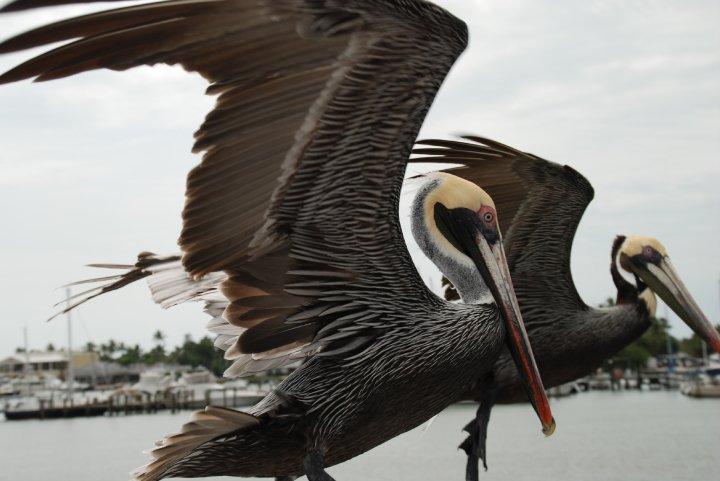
x,y
704,391
563,390
200,388
702,386
153,382
195,384
55,404
238,393
8,388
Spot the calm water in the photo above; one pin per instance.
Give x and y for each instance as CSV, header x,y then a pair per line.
x,y
601,436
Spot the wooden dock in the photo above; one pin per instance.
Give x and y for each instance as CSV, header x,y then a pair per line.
x,y
135,402
53,410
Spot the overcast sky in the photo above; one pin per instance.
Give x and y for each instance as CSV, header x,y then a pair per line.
x,y
92,168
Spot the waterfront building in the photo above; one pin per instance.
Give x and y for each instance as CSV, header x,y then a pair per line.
x,y
51,363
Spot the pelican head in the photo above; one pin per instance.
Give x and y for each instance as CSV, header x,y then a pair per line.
x,y
647,259
455,224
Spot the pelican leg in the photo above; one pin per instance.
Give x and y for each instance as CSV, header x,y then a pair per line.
x,y
315,467
475,444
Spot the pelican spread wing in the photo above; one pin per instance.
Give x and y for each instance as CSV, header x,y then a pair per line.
x,y
295,202
539,204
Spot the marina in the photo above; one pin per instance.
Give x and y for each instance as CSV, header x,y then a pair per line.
x,y
609,436
44,385
68,384
158,391
155,391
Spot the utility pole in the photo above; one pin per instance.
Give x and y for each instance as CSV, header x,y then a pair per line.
x,y
71,370
26,366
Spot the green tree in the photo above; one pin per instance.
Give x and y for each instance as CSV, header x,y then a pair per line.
x,y
157,354
50,347
201,353
108,350
652,343
693,345
609,302
159,338
633,356
130,355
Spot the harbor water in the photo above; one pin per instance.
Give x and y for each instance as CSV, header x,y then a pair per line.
x,y
601,436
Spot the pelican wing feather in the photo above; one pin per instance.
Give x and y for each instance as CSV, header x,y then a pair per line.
x,y
539,204
295,202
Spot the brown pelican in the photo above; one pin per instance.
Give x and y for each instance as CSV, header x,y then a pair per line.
x,y
294,209
541,203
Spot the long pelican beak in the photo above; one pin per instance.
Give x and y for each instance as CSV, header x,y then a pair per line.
x,y
663,279
462,229
497,276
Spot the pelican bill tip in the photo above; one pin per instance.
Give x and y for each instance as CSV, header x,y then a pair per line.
x,y
716,346
549,430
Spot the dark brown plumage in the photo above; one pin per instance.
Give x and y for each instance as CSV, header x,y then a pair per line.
x,y
299,138
294,212
540,204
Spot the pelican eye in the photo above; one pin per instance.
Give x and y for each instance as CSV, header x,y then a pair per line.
x,y
487,215
651,255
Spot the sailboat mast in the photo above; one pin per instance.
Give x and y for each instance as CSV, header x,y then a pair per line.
x,y
71,369
26,366
668,344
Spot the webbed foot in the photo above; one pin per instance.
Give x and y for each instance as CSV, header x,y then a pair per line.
x,y
475,444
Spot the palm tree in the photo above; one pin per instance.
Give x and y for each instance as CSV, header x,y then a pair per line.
x,y
159,338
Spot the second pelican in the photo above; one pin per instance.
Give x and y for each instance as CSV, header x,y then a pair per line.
x,y
542,203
